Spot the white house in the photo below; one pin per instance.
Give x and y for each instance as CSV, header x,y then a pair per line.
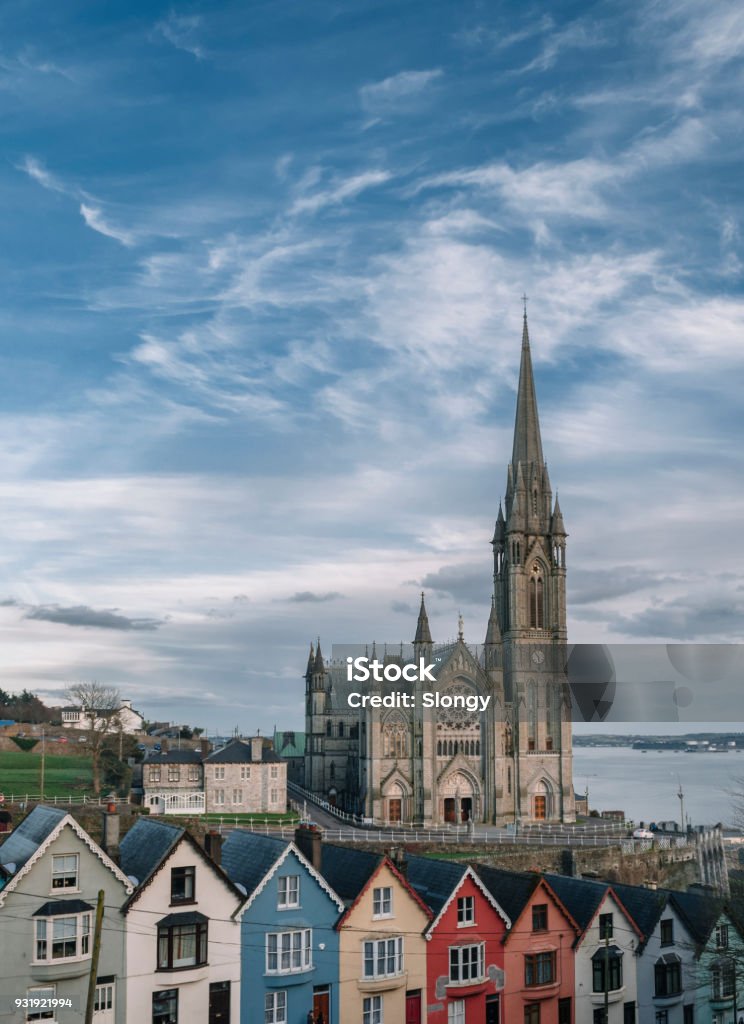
x,y
604,952
130,721
182,942
50,874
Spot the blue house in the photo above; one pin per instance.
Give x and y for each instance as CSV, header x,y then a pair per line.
x,y
289,944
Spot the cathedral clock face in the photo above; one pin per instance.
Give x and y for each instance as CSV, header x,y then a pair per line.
x,y
538,657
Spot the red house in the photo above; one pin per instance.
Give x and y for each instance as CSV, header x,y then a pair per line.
x,y
465,950
538,949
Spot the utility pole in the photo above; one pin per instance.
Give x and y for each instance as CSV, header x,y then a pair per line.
x,y
43,763
607,980
94,961
681,796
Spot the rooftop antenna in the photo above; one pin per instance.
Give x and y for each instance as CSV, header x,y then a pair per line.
x,y
681,796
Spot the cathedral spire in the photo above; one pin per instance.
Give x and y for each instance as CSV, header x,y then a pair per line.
x,y
527,442
319,663
310,661
423,633
493,632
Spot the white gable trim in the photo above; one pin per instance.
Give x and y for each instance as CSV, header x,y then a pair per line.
x,y
43,847
469,873
291,848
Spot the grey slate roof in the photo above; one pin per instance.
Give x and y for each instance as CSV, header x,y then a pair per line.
x,y
645,906
54,908
580,896
346,870
144,847
510,889
239,752
174,757
699,912
247,856
28,836
434,880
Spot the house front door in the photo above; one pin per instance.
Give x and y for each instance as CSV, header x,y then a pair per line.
x,y
219,1002
493,1010
322,1004
413,1007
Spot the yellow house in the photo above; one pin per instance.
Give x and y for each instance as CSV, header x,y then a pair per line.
x,y
382,949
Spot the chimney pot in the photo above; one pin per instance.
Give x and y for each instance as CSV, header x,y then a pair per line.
x,y
257,748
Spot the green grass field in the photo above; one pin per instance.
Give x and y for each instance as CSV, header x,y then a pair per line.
x,y
20,773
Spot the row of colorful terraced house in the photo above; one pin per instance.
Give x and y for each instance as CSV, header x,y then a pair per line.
x,y
254,929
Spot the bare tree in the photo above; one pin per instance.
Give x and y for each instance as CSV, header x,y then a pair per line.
x,y
100,716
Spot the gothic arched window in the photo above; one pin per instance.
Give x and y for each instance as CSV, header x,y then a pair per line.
x,y
537,599
332,770
329,727
531,715
340,728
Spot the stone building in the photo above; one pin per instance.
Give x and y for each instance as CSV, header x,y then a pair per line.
x,y
245,777
509,763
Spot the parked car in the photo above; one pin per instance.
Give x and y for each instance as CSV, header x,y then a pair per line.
x,y
643,833
156,748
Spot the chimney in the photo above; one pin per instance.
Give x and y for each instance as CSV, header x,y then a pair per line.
x,y
126,703
213,847
111,830
164,744
204,747
257,748
400,861
309,840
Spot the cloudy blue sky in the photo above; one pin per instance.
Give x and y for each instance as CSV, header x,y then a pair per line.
x,y
261,269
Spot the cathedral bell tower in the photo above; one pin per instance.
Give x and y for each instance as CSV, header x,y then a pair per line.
x,y
529,617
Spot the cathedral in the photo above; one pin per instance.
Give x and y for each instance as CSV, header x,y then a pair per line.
x,y
508,763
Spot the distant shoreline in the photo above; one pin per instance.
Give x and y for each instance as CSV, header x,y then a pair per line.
x,y
692,742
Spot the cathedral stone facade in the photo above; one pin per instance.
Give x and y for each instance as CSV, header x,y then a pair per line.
x,y
509,763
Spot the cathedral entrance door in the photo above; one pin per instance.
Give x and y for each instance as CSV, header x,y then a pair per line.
x,y
540,802
466,808
449,810
394,809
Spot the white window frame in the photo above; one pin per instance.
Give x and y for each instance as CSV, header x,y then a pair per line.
x,y
274,798
456,1011
289,952
382,902
40,992
460,972
275,1007
104,999
288,887
274,771
44,937
193,773
245,772
237,795
372,1010
65,871
219,771
154,773
383,958
465,911
219,797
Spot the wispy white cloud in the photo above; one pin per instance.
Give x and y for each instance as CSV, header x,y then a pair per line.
x,y
36,170
340,191
578,35
96,220
181,31
384,96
